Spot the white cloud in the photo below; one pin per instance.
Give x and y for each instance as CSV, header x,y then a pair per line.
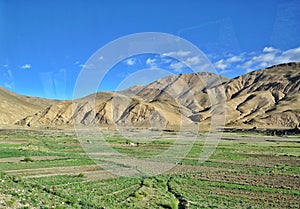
x,y
101,58
192,60
249,61
234,59
269,57
88,66
130,62
203,67
5,66
150,61
7,78
178,53
177,66
251,53
26,66
249,70
270,49
166,61
183,53
221,65
292,54
225,71
247,64
263,64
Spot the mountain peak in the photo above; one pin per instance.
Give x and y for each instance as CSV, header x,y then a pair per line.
x,y
264,98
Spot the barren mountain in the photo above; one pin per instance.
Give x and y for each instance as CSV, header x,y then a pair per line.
x,y
263,98
269,97
13,107
166,103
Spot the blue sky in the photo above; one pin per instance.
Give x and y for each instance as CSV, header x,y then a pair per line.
x,y
45,44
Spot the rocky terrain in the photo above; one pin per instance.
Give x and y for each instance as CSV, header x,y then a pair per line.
x,y
13,107
263,98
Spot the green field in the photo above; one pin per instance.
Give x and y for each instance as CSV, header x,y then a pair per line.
x,y
49,169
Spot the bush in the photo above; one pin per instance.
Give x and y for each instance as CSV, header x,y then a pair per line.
x,y
81,175
27,159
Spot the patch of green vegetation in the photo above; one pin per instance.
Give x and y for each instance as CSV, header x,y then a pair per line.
x,y
15,152
228,195
57,180
239,158
27,159
64,162
153,193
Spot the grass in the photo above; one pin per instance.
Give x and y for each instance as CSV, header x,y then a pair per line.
x,y
240,174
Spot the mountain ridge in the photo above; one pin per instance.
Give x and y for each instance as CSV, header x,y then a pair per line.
x,y
264,98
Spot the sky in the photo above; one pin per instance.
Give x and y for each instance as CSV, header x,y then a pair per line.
x,y
46,45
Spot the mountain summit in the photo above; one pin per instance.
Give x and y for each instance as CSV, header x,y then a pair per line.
x,y
263,98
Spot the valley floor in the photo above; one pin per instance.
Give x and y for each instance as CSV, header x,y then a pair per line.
x,y
50,169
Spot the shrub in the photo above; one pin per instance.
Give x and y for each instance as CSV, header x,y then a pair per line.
x,y
81,175
27,159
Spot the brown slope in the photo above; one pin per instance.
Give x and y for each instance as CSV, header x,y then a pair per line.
x,y
105,109
262,98
166,103
14,107
186,92
268,97
279,79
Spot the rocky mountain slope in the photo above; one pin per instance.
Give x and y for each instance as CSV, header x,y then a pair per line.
x,y
14,107
263,98
269,97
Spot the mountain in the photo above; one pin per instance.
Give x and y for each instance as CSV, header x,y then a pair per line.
x,y
269,97
263,98
168,102
13,107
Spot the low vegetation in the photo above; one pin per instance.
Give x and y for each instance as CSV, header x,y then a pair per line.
x,y
49,169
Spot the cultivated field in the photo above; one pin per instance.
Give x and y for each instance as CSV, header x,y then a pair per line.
x,y
49,169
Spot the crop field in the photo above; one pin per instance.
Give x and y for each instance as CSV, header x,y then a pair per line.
x,y
50,169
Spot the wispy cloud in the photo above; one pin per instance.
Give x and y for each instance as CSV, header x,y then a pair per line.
x,y
177,66
130,61
150,61
235,59
223,64
192,62
166,60
272,56
248,62
290,55
87,66
269,49
26,66
6,77
177,53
